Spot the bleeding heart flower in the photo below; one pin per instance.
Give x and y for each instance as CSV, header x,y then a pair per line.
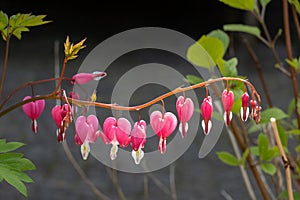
x,y
83,78
255,111
163,125
245,108
33,110
227,99
138,139
185,110
207,110
86,132
62,116
116,132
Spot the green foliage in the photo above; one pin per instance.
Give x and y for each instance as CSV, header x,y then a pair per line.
x,y
252,30
228,68
284,195
231,160
275,112
19,23
295,63
192,79
13,165
222,36
241,4
296,4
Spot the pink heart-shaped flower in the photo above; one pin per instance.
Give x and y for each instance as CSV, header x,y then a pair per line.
x,y
86,128
138,135
117,131
164,125
33,109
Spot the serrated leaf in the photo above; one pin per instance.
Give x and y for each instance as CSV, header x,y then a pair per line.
x,y
10,156
10,146
22,176
222,36
192,79
3,20
275,112
253,30
228,158
268,168
241,4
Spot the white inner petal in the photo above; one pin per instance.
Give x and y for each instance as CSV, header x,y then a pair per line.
x,y
137,155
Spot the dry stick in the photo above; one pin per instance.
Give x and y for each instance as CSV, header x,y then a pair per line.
x,y
5,64
288,42
75,164
285,161
146,187
172,182
114,178
259,69
296,20
251,163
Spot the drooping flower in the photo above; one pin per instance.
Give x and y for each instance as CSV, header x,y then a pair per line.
x,y
185,110
245,108
83,78
116,132
207,110
138,139
62,116
163,125
86,132
33,110
227,99
255,111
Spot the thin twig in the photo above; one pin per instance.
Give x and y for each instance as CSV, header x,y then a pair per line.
x,y
285,160
114,178
172,182
82,174
146,187
5,64
296,20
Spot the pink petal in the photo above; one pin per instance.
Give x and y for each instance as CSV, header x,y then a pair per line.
x,y
56,115
138,135
82,128
109,129
123,132
185,108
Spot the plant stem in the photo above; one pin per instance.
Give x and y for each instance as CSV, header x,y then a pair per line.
x,y
259,70
75,164
285,161
61,76
290,55
296,20
251,163
5,64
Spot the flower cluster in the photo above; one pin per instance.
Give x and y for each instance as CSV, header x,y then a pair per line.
x,y
119,132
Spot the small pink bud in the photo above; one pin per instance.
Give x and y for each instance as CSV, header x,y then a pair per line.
x,y
227,99
163,125
33,110
62,117
245,108
185,110
207,110
83,78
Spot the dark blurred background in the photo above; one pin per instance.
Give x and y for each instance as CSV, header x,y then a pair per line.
x,y
32,58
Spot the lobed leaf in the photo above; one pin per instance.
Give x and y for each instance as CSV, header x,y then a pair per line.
x,y
10,146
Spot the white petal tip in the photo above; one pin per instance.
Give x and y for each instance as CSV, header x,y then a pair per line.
x,y
244,117
113,152
186,127
206,130
137,155
85,150
99,75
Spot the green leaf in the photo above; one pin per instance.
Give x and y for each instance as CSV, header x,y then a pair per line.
x,y
222,36
213,46
263,145
296,4
228,68
275,112
264,3
192,79
10,146
268,168
254,151
228,158
241,4
253,30
284,195
3,20
282,135
15,182
244,157
198,56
